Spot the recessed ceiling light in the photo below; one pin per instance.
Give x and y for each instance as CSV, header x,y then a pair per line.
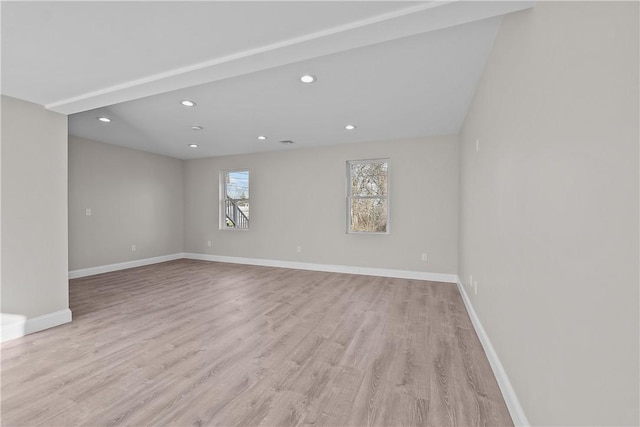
x,y
188,103
350,127
193,145
262,137
308,78
104,119
196,127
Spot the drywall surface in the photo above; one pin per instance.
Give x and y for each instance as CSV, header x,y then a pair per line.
x,y
34,210
298,198
135,198
549,209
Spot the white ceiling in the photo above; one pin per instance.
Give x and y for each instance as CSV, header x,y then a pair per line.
x,y
395,69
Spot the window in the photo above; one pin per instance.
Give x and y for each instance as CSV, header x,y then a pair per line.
x,y
368,196
234,187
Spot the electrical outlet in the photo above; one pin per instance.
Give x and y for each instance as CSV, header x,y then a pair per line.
x,y
471,280
133,248
477,144
209,243
87,212
475,287
423,257
298,249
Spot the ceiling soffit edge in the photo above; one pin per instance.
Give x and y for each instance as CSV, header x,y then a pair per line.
x,y
419,19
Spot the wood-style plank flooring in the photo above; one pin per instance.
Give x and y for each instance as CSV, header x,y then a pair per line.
x,y
203,343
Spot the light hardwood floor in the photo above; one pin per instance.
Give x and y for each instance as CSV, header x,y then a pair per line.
x,y
202,343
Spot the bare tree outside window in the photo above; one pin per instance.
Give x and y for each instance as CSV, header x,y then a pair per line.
x,y
368,196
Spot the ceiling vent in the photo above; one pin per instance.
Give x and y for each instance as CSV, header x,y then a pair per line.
x,y
286,141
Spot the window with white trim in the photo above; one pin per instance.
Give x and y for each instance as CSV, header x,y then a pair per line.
x,y
368,196
234,200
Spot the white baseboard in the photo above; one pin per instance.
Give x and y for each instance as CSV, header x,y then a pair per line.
x,y
13,326
508,393
84,272
18,327
366,271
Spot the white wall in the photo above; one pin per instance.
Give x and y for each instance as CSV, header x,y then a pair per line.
x,y
135,198
298,199
549,209
34,210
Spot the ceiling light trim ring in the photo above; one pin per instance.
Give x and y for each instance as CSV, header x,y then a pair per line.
x,y
308,78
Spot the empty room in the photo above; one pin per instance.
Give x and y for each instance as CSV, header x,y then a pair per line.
x,y
320,213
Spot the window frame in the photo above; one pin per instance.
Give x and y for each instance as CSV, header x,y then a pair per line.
x,y
350,196
223,198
